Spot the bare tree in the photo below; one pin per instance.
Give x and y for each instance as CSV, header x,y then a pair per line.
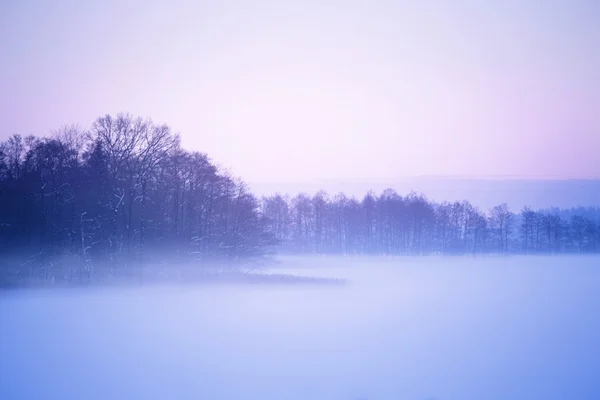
x,y
501,221
528,229
578,232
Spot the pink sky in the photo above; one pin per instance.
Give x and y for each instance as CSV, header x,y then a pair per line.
x,y
293,91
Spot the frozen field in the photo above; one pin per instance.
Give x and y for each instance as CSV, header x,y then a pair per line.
x,y
410,328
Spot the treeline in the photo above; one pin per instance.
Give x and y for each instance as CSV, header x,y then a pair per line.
x,y
123,196
105,201
391,224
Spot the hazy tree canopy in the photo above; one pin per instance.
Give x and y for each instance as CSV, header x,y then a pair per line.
x,y
111,199
391,224
124,194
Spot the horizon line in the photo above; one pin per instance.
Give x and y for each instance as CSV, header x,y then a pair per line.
x,y
444,177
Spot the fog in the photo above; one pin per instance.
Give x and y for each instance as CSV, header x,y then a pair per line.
x,y
398,328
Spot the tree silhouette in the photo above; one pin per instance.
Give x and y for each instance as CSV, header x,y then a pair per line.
x,y
123,196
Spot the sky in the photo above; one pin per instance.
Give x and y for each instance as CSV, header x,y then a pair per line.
x,y
293,91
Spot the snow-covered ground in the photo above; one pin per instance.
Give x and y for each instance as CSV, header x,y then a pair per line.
x,y
406,328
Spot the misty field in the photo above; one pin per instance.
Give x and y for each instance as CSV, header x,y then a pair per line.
x,y
404,328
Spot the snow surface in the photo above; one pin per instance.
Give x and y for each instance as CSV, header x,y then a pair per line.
x,y
505,328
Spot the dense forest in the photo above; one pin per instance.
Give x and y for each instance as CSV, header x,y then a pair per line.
x,y
124,195
121,195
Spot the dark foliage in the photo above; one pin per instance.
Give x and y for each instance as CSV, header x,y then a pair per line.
x,y
391,224
124,200
116,200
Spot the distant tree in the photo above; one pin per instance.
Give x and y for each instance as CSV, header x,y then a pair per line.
x,y
276,212
302,216
553,228
527,228
578,232
501,223
592,231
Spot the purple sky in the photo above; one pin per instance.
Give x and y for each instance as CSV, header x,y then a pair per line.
x,y
295,90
